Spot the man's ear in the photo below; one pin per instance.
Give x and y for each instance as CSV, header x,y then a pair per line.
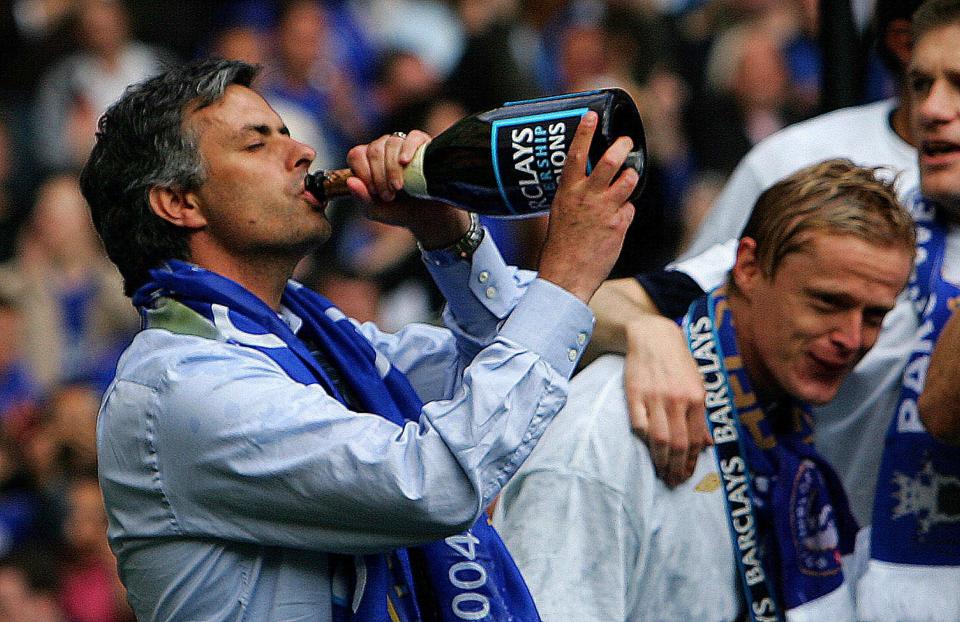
x,y
746,271
178,207
899,40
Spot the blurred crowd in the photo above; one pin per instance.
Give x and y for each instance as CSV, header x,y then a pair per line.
x,y
711,78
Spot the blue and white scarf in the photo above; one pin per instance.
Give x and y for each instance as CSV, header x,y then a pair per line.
x,y
788,514
916,515
914,570
471,575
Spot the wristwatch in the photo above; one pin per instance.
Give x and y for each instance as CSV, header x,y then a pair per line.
x,y
462,249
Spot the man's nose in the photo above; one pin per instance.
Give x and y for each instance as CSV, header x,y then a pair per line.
x,y
848,332
941,104
301,154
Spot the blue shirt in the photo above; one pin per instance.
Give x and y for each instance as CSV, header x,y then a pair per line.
x,y
228,485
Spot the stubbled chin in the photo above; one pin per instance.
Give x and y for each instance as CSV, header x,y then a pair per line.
x,y
939,188
819,392
818,386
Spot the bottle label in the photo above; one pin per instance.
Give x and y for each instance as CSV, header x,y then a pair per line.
x,y
528,156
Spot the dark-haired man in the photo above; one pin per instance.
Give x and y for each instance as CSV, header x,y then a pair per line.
x,y
261,456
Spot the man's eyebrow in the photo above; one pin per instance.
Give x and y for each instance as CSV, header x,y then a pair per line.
x,y
263,129
838,297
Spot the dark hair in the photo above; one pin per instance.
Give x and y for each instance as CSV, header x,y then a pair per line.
x,y
934,14
142,143
884,13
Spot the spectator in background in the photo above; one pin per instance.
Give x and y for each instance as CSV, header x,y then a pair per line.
x,y
71,415
300,83
640,46
90,588
430,29
404,87
698,199
20,504
747,98
21,601
73,94
801,51
13,208
78,319
241,41
489,71
33,33
59,445
875,134
19,391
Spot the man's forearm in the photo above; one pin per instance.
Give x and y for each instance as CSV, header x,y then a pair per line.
x,y
615,304
940,401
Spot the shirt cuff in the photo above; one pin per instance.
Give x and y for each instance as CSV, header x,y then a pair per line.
x,y
492,287
553,323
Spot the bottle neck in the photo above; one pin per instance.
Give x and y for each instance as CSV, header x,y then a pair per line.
x,y
414,181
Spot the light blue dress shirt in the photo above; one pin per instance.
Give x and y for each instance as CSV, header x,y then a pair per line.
x,y
228,485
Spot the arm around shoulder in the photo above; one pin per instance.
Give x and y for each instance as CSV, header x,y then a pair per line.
x,y
663,388
615,304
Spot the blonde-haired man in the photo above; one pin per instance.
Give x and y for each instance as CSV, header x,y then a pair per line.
x,y
599,537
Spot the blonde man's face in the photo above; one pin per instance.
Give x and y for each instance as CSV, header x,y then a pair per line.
x,y
802,330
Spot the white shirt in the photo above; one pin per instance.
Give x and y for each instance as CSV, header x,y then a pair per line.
x,y
861,134
599,538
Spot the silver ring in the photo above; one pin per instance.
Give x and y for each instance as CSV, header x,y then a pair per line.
x,y
400,135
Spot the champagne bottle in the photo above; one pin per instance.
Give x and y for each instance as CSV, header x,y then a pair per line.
x,y
506,162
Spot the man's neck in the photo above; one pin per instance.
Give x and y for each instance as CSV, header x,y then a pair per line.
x,y
950,213
765,387
265,277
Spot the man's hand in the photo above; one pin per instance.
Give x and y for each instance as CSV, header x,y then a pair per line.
x,y
378,177
589,216
665,396
663,387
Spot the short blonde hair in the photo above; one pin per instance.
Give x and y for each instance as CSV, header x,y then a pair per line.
x,y
834,197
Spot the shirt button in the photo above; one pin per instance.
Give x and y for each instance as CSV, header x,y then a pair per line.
x,y
582,338
491,292
572,355
483,276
